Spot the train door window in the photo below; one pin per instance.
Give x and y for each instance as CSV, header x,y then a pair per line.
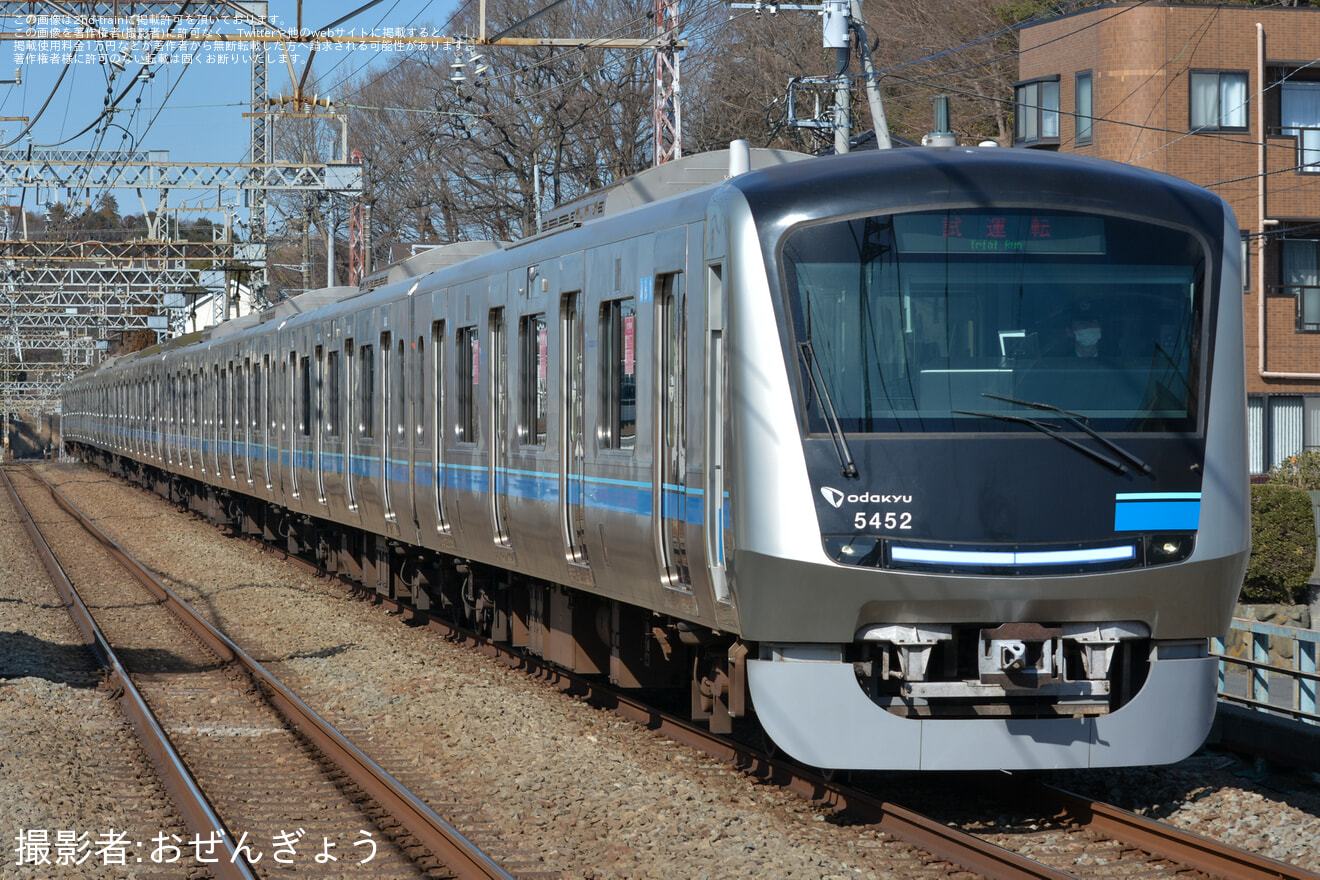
x,y
534,342
469,380
221,401
367,391
398,389
241,401
438,419
618,334
305,397
331,396
419,386
255,409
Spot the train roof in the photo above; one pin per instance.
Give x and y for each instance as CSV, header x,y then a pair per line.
x,y
896,180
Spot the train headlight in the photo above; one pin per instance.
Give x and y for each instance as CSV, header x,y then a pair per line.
x,y
1163,549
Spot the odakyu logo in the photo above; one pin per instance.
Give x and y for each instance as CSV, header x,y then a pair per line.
x,y
833,496
836,498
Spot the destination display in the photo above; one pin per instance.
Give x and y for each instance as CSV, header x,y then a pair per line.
x,y
1000,232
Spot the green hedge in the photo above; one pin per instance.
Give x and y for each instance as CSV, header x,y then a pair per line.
x,y
1282,544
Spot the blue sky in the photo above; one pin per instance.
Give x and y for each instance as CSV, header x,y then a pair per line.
x,y
194,111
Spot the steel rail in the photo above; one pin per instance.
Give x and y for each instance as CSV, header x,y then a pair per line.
x,y
1161,839
175,775
462,858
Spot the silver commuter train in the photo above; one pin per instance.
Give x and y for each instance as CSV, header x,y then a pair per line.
x,y
834,441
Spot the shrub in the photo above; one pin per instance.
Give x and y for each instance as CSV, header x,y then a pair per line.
x,y
1301,470
1282,544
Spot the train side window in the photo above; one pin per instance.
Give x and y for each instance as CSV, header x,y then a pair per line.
x,y
469,380
332,394
367,390
618,334
535,402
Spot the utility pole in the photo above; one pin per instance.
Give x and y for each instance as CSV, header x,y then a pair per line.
x,y
843,28
836,19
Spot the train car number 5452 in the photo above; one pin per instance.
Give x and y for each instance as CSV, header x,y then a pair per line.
x,y
888,521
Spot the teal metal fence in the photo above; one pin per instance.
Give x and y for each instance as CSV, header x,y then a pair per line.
x,y
1261,680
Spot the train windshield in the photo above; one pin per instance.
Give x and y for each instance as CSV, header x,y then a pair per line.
x,y
951,320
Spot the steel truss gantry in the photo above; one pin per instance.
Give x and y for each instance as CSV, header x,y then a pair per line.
x,y
153,168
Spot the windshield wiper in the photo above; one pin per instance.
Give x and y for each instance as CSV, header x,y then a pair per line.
x,y
808,355
1052,431
1076,422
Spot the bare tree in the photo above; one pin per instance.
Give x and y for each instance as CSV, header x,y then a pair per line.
x,y
450,159
451,149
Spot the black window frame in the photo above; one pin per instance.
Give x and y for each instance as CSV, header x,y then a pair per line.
x,y
1087,113
535,391
367,392
1040,110
1219,74
616,429
467,351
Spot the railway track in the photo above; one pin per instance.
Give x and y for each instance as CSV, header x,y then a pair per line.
x,y
264,785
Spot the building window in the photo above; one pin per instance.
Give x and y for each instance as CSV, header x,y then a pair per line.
x,y
1036,111
1300,265
1299,117
1082,102
1280,426
1219,100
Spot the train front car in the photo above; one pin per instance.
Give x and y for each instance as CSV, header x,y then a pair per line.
x,y
1008,504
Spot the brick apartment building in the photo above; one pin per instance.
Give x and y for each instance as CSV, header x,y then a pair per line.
x,y
1228,98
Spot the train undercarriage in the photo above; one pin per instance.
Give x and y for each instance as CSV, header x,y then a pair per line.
x,y
578,631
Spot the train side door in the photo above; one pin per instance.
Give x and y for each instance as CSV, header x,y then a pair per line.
x,y
244,421
350,431
429,496
497,328
574,442
670,494
391,463
714,516
318,420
